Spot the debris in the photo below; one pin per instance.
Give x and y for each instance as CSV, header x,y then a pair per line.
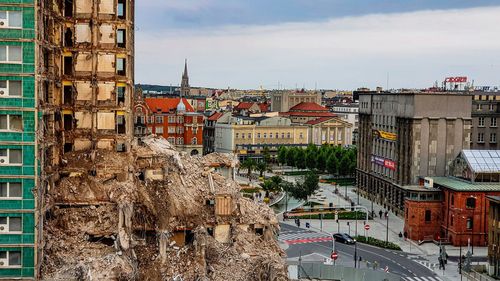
x,y
171,214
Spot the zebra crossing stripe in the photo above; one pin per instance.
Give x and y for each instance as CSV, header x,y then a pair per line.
x,y
422,278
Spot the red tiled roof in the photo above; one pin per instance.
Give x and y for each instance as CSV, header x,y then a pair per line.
x,y
319,120
243,105
215,116
308,114
308,106
166,104
264,107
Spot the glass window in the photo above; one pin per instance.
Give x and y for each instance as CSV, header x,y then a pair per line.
x,y
15,88
159,130
3,53
470,203
493,121
15,224
15,19
15,156
120,64
470,223
15,54
120,37
4,122
14,258
481,121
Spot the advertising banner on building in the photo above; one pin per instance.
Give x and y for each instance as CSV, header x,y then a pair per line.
x,y
385,135
389,164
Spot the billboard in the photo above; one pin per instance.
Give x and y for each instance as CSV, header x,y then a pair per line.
x,y
459,79
389,164
385,135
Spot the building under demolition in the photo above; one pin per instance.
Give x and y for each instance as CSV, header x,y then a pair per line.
x,y
79,200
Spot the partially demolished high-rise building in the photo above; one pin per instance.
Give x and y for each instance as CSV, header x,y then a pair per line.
x,y
66,84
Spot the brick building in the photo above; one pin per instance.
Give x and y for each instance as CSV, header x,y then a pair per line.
x,y
455,208
494,237
176,121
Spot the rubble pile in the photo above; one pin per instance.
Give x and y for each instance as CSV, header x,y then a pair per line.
x,y
156,214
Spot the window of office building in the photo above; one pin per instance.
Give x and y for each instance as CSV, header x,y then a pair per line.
x,y
11,190
493,122
10,88
10,259
493,137
11,54
11,156
11,19
480,137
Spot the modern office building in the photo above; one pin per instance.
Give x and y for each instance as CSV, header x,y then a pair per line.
x,y
485,115
66,85
407,136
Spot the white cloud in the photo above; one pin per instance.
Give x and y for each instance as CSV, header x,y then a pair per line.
x,y
179,5
414,48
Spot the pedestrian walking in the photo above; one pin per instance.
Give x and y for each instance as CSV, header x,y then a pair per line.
x,y
400,235
386,214
298,222
380,214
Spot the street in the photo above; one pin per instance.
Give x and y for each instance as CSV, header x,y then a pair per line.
x,y
303,242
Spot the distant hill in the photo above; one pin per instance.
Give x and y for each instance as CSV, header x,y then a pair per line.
x,y
157,88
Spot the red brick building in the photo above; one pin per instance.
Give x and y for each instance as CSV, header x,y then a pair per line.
x,y
455,208
174,120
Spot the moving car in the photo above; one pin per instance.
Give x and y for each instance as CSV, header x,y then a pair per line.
x,y
344,238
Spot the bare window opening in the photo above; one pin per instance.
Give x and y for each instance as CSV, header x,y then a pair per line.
x,y
68,38
120,66
46,95
121,9
189,237
259,231
210,231
120,96
120,124
68,147
68,65
108,241
121,147
68,122
68,94
120,38
68,8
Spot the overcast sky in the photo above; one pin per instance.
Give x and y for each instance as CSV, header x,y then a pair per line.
x,y
328,44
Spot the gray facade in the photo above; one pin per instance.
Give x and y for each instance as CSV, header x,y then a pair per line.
x,y
404,137
485,115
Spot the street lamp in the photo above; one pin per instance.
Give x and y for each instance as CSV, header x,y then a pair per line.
x,y
387,229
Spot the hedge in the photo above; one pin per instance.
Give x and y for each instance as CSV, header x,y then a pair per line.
x,y
342,216
378,243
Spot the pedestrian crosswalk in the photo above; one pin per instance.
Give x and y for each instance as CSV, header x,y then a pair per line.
x,y
305,236
422,278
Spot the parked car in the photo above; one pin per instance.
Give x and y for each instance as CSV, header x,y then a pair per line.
x,y
344,238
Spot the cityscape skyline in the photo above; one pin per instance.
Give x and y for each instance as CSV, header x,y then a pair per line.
x,y
412,47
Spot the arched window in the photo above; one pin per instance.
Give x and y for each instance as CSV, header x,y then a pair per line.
x,y
194,140
470,203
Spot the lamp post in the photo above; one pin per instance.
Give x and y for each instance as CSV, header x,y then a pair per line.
x,y
387,230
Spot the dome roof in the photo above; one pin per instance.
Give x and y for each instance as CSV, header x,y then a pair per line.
x,y
181,107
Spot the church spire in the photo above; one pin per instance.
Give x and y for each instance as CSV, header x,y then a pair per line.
x,y
185,89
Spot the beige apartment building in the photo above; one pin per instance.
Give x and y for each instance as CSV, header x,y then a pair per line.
x,y
248,135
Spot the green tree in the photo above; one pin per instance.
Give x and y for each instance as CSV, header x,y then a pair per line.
x,y
266,155
302,190
311,159
249,164
321,161
344,165
277,182
332,164
262,167
282,151
300,158
290,157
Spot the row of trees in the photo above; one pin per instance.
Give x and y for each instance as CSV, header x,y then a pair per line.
x,y
335,160
299,190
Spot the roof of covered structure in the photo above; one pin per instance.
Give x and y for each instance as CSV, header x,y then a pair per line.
x,y
483,161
